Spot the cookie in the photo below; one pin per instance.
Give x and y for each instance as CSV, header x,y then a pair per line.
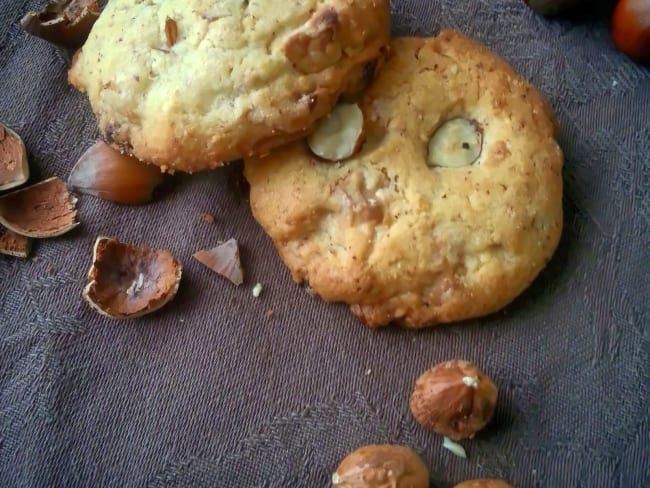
x,y
190,85
450,209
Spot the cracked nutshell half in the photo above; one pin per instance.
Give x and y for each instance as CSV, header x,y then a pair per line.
x,y
128,281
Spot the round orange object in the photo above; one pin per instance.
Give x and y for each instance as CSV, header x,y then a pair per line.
x,y
631,28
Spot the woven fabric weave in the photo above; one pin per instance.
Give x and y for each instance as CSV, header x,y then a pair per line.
x,y
212,391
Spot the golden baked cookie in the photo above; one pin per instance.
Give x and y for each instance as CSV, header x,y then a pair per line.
x,y
450,209
190,85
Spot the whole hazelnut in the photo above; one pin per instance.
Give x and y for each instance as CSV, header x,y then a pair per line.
x,y
381,466
454,399
483,483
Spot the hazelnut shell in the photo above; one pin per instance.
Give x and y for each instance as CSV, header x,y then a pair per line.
x,y
14,168
43,210
127,281
65,23
12,244
105,173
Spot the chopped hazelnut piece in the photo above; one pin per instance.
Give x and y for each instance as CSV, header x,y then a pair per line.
x,y
65,23
456,143
224,260
207,218
14,169
43,210
340,134
127,281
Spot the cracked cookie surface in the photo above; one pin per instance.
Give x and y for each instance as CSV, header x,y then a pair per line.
x,y
402,240
190,85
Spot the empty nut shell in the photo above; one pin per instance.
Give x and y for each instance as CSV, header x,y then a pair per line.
x,y
381,466
65,23
454,399
43,210
127,281
14,168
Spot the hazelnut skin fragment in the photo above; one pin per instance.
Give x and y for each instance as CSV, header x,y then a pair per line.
x,y
65,23
483,483
381,466
454,399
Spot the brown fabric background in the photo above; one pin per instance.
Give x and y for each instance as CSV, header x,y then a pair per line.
x,y
211,392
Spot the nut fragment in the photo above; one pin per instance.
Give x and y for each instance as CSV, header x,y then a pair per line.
x,y
483,483
381,466
454,447
13,244
340,134
106,173
65,23
257,290
45,209
454,399
171,31
456,143
224,260
14,169
128,281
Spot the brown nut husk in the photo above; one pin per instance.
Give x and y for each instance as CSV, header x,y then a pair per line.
x,y
106,173
14,168
224,260
340,134
12,244
43,210
454,399
484,483
381,466
127,281
65,23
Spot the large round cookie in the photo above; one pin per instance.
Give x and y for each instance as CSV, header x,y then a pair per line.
x,y
403,241
189,85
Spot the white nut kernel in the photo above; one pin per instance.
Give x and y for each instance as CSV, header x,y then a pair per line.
x,y
340,134
456,143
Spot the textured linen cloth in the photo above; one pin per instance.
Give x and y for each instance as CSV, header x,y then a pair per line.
x,y
210,391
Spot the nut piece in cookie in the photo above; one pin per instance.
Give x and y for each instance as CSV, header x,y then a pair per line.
x,y
456,143
454,399
448,210
198,84
340,134
378,466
